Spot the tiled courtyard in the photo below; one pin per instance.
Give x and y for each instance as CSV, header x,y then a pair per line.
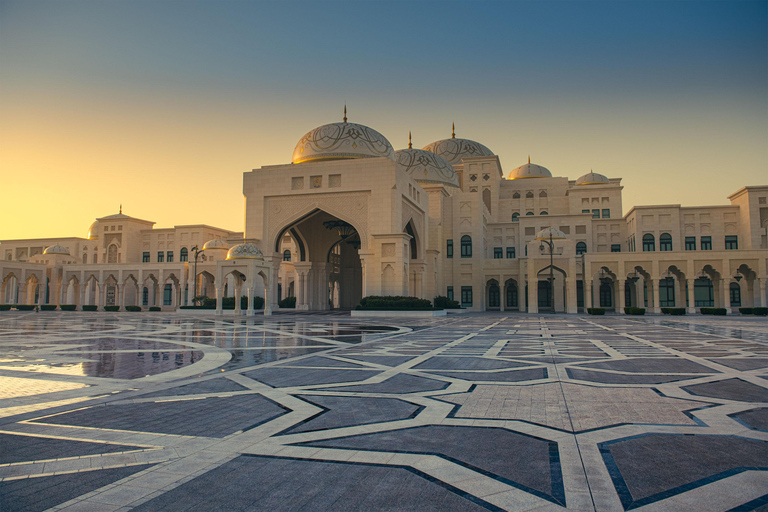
x,y
161,411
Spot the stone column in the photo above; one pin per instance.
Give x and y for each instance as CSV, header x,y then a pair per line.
x,y
268,299
762,300
725,294
238,293
587,293
118,295
572,304
102,295
219,298
82,294
249,305
656,283
691,297
620,296
503,293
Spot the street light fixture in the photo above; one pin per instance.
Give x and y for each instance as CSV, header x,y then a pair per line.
x,y
197,253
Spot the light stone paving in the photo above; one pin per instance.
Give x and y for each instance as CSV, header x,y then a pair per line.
x,y
483,411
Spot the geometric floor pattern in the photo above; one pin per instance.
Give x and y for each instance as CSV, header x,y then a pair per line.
x,y
162,411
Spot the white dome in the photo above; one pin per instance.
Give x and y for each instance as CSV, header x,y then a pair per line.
x,y
245,251
592,178
93,231
339,141
546,232
453,150
426,167
216,243
56,249
529,170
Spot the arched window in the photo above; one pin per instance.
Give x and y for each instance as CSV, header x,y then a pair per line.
x,y
286,255
85,258
605,296
466,246
544,213
112,254
529,195
145,296
183,254
516,195
735,294
515,217
529,213
543,193
665,242
167,294
581,248
649,243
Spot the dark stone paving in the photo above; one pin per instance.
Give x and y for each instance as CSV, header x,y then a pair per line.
x,y
652,467
508,376
745,364
347,411
274,484
246,358
200,388
325,362
756,419
617,378
384,360
526,462
15,448
730,389
42,493
465,363
400,383
651,365
210,417
135,365
289,377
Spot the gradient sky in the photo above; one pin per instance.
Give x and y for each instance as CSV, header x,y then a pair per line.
x,y
162,105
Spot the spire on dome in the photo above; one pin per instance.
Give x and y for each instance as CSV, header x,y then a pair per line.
x,y
345,112
529,158
453,130
121,208
409,141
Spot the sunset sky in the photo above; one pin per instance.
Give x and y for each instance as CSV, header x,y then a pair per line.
x,y
162,105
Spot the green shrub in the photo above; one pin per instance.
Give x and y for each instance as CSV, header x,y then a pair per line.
x,y
596,311
133,309
155,308
760,311
47,307
68,307
673,311
745,311
5,307
714,311
288,302
25,307
89,307
398,303
229,302
634,311
442,302
112,309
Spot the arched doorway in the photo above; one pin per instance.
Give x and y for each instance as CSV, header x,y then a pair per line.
x,y
511,292
494,295
549,294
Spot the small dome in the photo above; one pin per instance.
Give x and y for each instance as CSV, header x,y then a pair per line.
x,y
545,233
339,141
93,231
56,249
216,243
426,167
529,170
245,251
592,178
453,150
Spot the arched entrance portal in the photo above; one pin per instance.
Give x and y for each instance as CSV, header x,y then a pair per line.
x,y
327,265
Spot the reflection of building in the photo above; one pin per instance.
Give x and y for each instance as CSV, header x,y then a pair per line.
x,y
351,217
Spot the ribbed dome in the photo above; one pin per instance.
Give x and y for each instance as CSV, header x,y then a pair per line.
x,y
453,150
216,243
245,251
544,234
93,231
592,178
426,167
529,170
338,141
56,249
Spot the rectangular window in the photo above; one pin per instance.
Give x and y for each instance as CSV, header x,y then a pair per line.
x,y
145,257
731,243
596,213
585,211
160,255
167,295
449,293
706,243
690,243
615,247
449,249
510,252
169,256
466,296
497,253
606,213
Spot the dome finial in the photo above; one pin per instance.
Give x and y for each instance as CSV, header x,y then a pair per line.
x,y
121,208
529,158
345,111
410,146
453,130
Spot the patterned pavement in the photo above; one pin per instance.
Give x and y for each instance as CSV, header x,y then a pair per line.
x,y
109,412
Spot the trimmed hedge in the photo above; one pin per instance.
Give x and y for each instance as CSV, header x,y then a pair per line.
x,y
446,303
596,311
745,311
714,311
48,307
634,311
68,307
288,302
673,311
25,307
5,307
133,309
155,308
396,303
198,307
90,307
112,309
760,311
229,302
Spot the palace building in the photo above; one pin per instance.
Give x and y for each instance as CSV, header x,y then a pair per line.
x,y
350,216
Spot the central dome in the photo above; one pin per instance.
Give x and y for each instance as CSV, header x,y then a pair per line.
x,y
339,141
453,150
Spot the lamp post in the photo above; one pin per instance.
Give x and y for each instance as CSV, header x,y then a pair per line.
x,y
551,277
197,253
